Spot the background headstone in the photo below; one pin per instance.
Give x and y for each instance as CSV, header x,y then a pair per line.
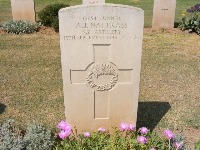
x,y
164,14
101,48
86,2
23,10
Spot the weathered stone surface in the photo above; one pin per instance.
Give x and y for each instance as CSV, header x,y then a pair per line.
x,y
23,10
101,48
86,2
164,14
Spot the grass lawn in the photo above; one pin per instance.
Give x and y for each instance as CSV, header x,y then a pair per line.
x,y
31,82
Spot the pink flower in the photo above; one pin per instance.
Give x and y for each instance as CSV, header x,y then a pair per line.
x,y
131,127
101,129
64,133
152,149
143,130
123,126
168,134
141,140
86,134
177,145
63,125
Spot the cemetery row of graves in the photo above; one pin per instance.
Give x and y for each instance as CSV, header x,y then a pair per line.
x,y
113,82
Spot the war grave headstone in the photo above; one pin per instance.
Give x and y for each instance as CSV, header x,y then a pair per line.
x,y
164,14
86,2
23,10
101,48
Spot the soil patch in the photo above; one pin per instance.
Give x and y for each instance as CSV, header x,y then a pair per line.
x,y
192,136
46,30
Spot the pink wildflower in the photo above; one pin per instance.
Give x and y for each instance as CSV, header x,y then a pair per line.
x,y
63,125
123,126
64,134
86,134
168,134
143,130
141,140
101,129
177,145
131,127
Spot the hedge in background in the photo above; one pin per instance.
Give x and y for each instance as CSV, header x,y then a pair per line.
x,y
49,15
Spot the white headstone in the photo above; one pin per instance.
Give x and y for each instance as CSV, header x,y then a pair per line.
x,y
86,2
101,48
23,10
164,14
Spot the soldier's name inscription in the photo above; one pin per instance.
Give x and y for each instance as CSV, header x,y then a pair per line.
x,y
100,27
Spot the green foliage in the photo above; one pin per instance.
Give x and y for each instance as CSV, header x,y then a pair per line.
x,y
10,137
191,24
191,20
197,145
49,15
38,137
119,140
20,27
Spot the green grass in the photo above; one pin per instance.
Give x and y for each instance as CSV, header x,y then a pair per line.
x,y
170,73
147,5
31,82
5,11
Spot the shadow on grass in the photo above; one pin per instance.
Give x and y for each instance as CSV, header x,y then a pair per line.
x,y
2,108
150,113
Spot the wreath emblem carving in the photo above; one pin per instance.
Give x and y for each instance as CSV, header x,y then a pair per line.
x,y
102,69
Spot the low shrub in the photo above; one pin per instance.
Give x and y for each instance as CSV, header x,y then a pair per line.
x,y
20,27
49,15
36,137
191,19
10,137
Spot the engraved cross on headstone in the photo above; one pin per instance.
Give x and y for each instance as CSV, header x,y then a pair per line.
x,y
164,9
101,76
101,67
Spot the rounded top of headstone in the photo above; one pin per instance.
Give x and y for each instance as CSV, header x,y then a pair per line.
x,y
103,5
